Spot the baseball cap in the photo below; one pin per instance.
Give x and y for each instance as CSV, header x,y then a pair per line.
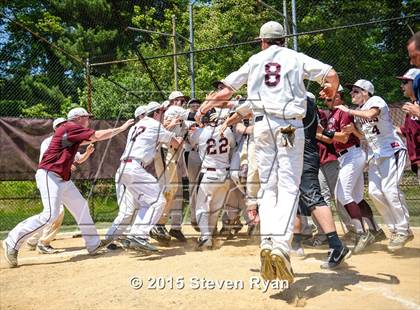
x,y
410,74
175,94
166,104
363,84
271,30
152,106
139,111
77,112
194,100
58,121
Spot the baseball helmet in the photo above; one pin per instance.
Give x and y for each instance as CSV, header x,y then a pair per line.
x,y
209,117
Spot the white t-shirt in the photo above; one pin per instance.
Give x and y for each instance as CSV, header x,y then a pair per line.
x,y
214,150
46,143
275,78
379,132
143,140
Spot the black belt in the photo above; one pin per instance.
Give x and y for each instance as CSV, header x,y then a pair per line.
x,y
261,117
346,151
214,169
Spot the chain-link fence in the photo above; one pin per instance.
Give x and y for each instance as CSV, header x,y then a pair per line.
x,y
40,76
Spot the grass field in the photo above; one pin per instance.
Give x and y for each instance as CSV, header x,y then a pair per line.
x,y
20,200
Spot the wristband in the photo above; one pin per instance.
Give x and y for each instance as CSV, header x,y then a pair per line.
x,y
328,133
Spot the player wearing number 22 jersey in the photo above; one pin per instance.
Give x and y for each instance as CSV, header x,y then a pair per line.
x,y
214,150
387,158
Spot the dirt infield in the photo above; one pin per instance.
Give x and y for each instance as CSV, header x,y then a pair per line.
x,y
74,280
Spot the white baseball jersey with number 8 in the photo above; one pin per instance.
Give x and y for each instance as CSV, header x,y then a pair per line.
x,y
379,132
275,81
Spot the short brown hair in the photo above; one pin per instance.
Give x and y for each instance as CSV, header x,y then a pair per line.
x,y
277,41
416,39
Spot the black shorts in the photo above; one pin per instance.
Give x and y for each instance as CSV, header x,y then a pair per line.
x,y
310,190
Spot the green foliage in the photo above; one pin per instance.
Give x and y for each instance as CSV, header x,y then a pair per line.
x,y
37,79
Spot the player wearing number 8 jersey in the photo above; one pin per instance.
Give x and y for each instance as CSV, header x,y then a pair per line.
x,y
277,96
387,158
214,150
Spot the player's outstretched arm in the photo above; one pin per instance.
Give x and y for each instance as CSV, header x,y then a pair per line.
x,y
331,83
368,114
215,100
105,134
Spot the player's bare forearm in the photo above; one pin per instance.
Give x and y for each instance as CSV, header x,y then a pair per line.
x,y
106,134
218,99
368,114
331,83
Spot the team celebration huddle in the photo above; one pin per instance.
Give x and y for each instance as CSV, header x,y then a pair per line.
x,y
270,160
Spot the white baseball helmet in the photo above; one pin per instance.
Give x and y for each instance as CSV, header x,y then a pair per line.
x,y
58,121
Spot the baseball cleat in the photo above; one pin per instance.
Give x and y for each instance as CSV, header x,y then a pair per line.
x,y
159,233
336,257
298,251
399,240
362,241
267,270
102,244
10,255
177,234
282,265
316,241
140,244
204,244
46,249
379,235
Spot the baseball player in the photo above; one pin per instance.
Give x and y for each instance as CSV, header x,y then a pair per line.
x,y
136,188
56,188
277,96
387,157
41,240
311,201
192,162
174,167
411,127
214,150
350,181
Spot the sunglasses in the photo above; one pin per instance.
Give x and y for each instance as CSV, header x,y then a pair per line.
x,y
329,100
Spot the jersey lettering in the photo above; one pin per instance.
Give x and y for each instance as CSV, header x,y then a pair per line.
x,y
212,149
272,74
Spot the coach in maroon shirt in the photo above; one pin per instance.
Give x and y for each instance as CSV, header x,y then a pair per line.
x,y
55,186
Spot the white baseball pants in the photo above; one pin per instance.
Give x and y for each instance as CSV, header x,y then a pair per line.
x,y
54,192
385,174
193,169
49,232
210,200
280,169
136,189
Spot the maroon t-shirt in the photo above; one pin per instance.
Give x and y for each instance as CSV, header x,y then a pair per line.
x,y
411,132
60,154
336,121
326,151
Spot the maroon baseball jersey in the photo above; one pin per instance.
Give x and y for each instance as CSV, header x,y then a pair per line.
x,y
60,154
411,131
326,151
336,121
